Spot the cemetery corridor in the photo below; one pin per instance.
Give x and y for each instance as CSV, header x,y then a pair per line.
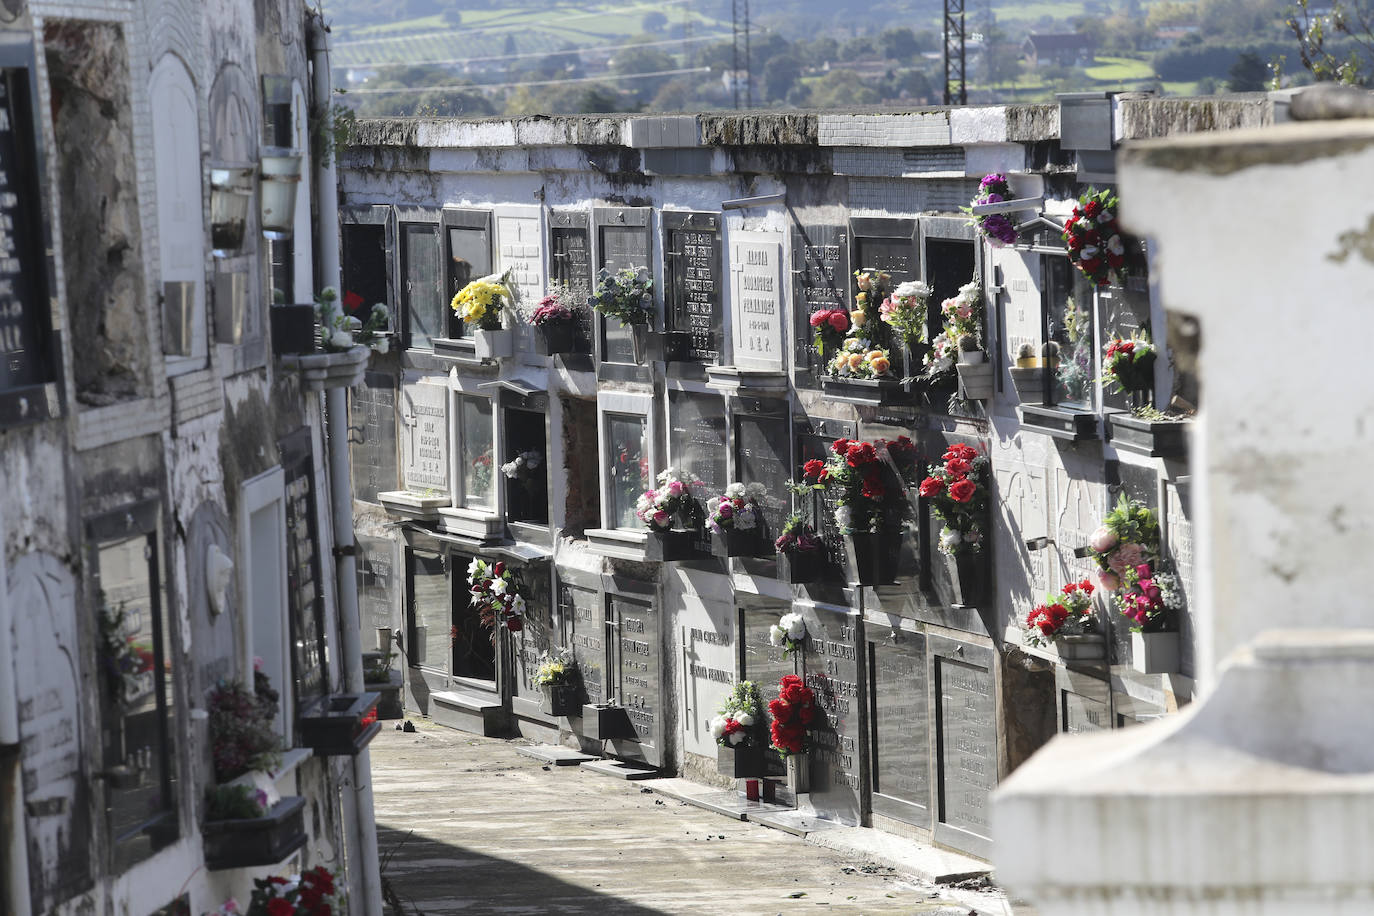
x,y
467,825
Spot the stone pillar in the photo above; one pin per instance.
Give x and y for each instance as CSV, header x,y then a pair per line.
x,y
1259,799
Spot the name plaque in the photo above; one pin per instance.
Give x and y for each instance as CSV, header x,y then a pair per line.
x,y
692,283
756,300
425,442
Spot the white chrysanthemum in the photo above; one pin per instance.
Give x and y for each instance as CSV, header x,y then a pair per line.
x,y
717,727
755,490
949,539
776,634
735,490
911,288
794,624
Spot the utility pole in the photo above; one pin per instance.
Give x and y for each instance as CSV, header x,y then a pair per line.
x,y
738,7
956,89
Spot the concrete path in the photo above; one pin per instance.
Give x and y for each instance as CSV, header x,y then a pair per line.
x,y
466,825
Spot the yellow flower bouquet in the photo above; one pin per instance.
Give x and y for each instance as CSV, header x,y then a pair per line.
x,y
481,302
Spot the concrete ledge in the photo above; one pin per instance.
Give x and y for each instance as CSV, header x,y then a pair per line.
x,y
558,756
619,770
467,713
926,862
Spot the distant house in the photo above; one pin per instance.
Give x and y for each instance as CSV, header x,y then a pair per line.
x,y
1170,37
1067,49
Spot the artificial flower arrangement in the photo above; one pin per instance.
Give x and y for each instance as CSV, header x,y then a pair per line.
x,y
235,802
792,712
1074,370
552,310
482,301
797,537
481,472
523,465
1068,613
958,491
1129,363
622,294
858,358
875,286
241,734
495,592
672,498
556,670
997,228
962,316
1094,240
340,331
905,311
127,664
859,473
737,509
1127,537
739,715
311,893
829,327
789,633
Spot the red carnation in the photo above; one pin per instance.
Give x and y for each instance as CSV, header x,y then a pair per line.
x,y
819,317
839,320
961,491
932,487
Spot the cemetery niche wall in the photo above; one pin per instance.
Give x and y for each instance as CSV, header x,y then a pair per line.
x,y
929,685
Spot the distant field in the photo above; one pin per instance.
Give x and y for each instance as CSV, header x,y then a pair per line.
x,y
483,33
1119,70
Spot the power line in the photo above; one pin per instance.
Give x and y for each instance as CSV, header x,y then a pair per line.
x,y
527,54
578,79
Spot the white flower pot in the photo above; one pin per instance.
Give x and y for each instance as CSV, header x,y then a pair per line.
x,y
493,344
971,357
1155,653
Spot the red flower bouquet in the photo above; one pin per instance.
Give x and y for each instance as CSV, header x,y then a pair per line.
x,y
1129,363
1093,238
868,477
958,491
311,893
792,712
1068,613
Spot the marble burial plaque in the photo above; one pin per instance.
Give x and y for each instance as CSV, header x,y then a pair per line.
x,y
374,437
709,659
425,439
691,260
23,297
886,244
582,609
756,300
376,584
832,670
519,250
763,663
763,456
570,265
967,760
1078,713
820,280
637,652
536,639
901,728
697,438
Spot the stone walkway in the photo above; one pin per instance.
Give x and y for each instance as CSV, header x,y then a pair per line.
x,y
466,825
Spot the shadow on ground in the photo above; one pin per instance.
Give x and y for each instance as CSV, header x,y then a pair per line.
x,y
436,879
